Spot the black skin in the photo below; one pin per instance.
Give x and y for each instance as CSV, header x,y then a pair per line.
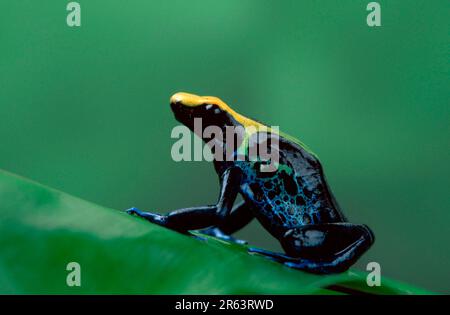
x,y
297,208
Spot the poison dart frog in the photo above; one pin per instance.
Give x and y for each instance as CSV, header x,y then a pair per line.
x,y
293,202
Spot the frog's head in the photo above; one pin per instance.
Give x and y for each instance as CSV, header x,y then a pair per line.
x,y
211,110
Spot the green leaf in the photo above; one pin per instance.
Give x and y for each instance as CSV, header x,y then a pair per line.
x,y
42,230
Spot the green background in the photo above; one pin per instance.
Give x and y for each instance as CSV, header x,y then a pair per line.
x,y
85,110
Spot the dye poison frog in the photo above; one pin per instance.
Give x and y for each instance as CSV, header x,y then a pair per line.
x,y
293,202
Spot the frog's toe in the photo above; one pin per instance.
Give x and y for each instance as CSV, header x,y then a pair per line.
x,y
200,238
216,232
231,239
260,251
133,211
254,250
281,258
240,242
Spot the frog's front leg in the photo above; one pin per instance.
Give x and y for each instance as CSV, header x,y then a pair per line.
x,y
322,248
196,218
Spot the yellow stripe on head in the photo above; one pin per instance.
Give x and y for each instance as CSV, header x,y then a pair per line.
x,y
192,100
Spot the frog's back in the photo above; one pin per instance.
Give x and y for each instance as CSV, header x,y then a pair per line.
x,y
296,194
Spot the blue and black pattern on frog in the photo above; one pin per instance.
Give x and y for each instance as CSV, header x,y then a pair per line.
x,y
293,203
296,194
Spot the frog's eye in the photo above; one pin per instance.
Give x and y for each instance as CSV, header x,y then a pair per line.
x,y
214,109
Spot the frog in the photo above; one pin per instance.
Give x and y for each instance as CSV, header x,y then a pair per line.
x,y
293,201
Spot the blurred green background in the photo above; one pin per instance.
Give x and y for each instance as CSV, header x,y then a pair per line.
x,y
85,110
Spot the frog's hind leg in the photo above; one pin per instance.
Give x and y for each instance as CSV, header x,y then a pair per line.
x,y
324,248
240,216
340,264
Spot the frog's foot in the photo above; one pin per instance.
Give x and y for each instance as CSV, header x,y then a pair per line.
x,y
152,217
133,211
284,259
216,232
199,237
332,248
270,255
289,261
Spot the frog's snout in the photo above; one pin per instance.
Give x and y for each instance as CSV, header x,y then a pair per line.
x,y
177,98
186,99
182,111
